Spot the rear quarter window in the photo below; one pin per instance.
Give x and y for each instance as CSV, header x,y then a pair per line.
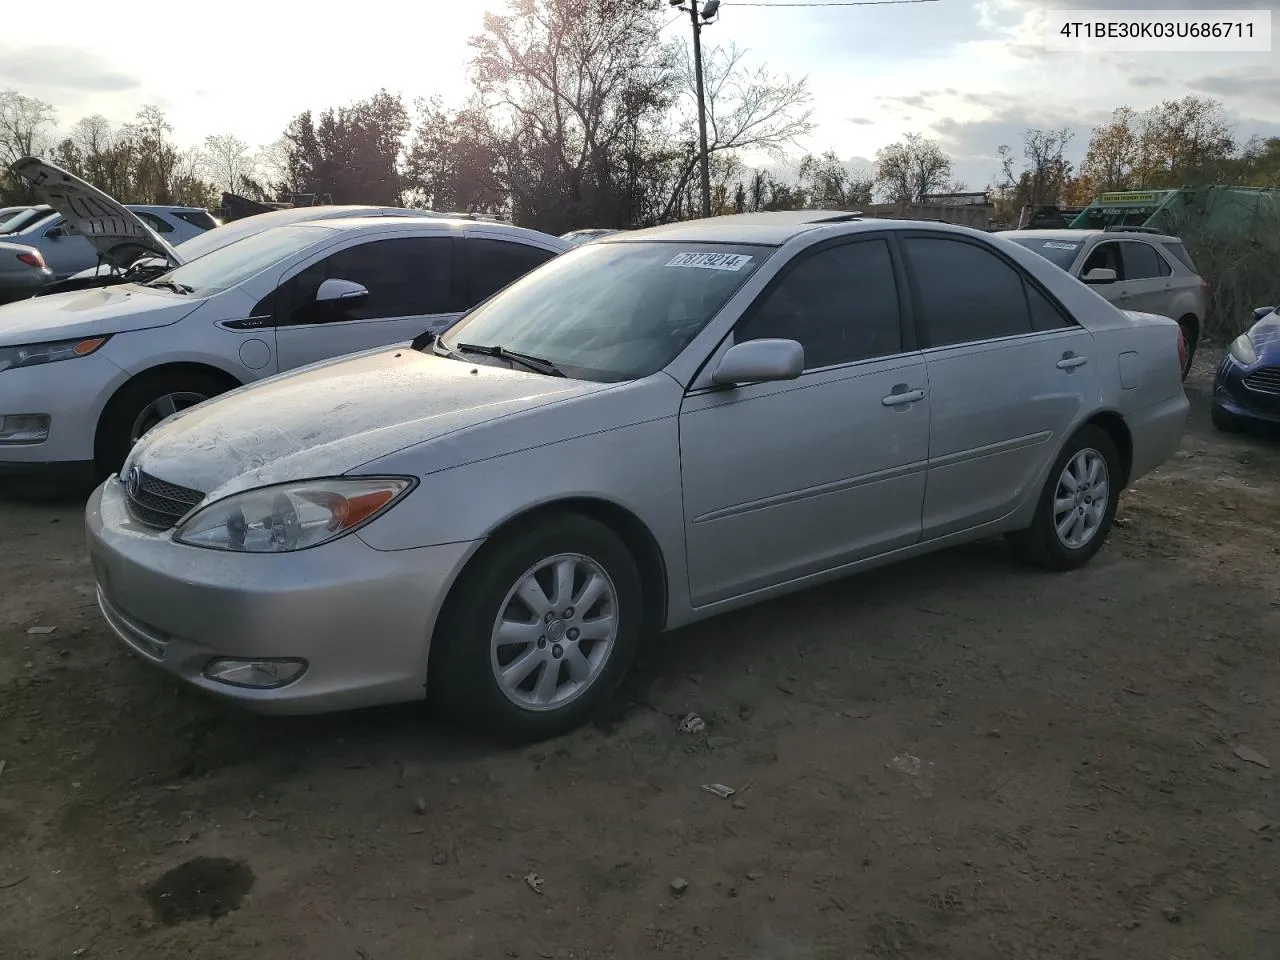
x,y
1180,252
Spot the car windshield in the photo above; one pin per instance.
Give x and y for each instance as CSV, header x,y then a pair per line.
x,y
26,219
1061,253
228,266
611,311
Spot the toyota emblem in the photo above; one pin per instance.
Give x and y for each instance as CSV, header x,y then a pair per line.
x,y
131,482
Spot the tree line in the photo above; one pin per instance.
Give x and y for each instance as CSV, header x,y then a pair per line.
x,y
583,115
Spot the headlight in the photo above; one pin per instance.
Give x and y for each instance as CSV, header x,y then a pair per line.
x,y
30,354
1243,351
291,516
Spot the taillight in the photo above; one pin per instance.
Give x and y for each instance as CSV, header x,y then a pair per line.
x,y
1182,352
1204,285
32,259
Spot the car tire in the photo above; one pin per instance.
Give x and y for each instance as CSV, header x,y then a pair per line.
x,y
142,400
1224,421
507,592
1089,453
1191,337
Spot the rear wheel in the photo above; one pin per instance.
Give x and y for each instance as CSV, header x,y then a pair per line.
x,y
1190,327
540,630
142,404
1077,504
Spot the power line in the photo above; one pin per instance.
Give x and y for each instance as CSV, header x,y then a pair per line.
x,y
827,3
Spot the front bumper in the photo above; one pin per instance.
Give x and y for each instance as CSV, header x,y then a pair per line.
x,y
361,618
72,394
1232,396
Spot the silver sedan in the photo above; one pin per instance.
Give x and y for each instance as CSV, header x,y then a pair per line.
x,y
649,430
23,271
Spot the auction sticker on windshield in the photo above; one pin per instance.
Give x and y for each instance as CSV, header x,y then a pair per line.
x,y
710,261
1059,245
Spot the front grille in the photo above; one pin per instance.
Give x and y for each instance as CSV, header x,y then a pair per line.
x,y
1266,380
155,502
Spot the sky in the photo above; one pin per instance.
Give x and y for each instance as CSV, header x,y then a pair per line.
x,y
973,74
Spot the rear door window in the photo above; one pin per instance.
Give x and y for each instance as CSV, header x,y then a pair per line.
x,y
965,292
1141,262
158,224
492,264
197,218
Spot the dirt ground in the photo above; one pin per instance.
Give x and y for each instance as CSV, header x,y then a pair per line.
x,y
955,757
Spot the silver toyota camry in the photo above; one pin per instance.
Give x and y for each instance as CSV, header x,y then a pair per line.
x,y
649,430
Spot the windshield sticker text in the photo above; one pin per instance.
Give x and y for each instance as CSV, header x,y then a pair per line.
x,y
710,261
1059,245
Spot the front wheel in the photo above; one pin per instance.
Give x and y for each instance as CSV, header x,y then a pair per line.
x,y
1077,504
540,630
143,404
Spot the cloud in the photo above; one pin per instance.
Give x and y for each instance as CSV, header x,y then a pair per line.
x,y
1252,82
861,121
50,67
917,100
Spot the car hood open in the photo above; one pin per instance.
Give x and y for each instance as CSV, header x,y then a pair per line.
x,y
91,313
330,418
119,235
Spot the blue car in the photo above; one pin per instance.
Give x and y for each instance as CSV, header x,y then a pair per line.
x,y
1247,387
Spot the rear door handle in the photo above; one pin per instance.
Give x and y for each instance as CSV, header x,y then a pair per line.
x,y
900,397
1071,361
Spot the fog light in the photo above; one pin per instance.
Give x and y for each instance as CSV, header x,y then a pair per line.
x,y
24,428
258,674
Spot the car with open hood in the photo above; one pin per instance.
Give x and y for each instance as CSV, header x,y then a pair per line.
x,y
89,229
1246,386
84,374
648,430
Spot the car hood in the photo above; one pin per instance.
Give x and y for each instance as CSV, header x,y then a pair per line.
x,y
91,313
330,418
118,234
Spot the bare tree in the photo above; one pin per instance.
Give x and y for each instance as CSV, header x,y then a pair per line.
x,y
229,165
748,108
908,170
26,125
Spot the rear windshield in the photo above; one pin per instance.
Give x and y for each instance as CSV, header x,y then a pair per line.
x,y
1179,251
26,219
1061,253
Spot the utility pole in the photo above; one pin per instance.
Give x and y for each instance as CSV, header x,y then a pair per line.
x,y
701,18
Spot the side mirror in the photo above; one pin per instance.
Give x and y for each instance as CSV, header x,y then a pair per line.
x,y
759,361
1100,275
344,290
1260,312
55,233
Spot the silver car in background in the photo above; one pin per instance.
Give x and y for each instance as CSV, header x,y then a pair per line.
x,y
648,430
1135,270
23,272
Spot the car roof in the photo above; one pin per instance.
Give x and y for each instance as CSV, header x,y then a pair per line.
x,y
162,207
391,224
775,228
1049,233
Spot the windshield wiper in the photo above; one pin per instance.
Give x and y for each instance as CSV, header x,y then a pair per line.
x,y
172,285
536,364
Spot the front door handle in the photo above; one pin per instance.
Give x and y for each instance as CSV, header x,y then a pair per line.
x,y
1070,361
902,395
